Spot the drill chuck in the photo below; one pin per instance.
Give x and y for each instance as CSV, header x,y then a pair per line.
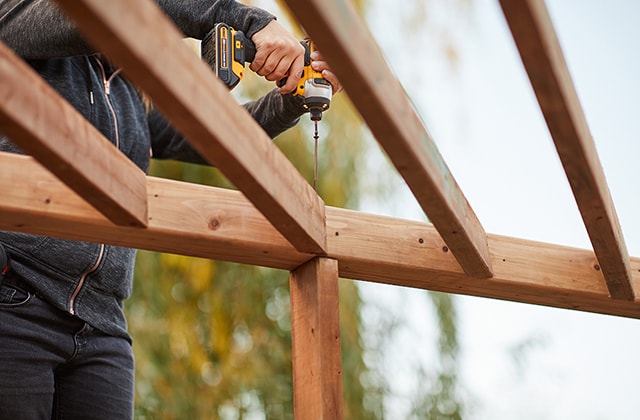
x,y
317,97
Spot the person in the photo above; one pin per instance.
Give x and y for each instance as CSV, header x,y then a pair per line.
x,y
64,347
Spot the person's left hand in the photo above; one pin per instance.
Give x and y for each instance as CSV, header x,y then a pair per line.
x,y
320,65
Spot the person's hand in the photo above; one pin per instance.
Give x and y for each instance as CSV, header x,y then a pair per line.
x,y
319,65
278,55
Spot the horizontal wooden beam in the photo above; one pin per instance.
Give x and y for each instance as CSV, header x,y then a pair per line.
x,y
542,56
42,123
139,37
181,216
348,45
221,224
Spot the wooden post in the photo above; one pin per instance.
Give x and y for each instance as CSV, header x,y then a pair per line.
x,y
315,336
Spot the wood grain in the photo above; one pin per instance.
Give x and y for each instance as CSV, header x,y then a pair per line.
x,y
315,336
544,62
223,225
42,123
139,37
389,113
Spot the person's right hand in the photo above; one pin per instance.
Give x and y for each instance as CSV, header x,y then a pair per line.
x,y
278,55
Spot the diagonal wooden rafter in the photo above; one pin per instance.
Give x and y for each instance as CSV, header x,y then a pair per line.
x,y
139,37
221,224
43,124
542,56
388,111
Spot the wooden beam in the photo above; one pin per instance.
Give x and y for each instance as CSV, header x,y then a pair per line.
x,y
181,216
384,105
542,56
221,224
315,338
139,37
42,123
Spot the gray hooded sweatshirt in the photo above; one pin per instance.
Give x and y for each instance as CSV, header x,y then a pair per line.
x,y
92,280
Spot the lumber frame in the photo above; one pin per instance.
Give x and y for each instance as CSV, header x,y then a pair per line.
x,y
544,62
279,221
141,39
315,340
221,224
389,113
45,125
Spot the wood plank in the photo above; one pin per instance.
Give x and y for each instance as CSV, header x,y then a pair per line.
x,y
315,338
42,123
181,216
221,224
139,37
542,56
388,111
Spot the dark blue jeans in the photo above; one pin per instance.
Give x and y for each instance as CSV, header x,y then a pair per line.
x,y
55,366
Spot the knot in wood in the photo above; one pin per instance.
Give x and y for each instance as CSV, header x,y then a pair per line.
x,y
214,224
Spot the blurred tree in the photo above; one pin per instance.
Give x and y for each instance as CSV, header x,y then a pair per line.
x,y
213,340
433,28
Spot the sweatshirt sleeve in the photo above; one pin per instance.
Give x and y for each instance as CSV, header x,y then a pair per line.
x,y
274,112
196,17
38,29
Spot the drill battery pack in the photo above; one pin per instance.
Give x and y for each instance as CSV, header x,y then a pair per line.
x,y
226,51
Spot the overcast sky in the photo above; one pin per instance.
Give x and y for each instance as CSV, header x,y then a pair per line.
x,y
523,361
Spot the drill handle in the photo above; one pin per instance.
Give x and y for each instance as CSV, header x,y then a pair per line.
x,y
249,48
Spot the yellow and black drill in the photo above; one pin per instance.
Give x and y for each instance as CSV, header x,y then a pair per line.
x,y
227,50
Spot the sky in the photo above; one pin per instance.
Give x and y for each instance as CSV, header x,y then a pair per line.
x,y
517,360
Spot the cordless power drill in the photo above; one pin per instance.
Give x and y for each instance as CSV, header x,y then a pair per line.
x,y
227,50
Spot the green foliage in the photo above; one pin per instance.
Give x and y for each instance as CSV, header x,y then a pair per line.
x,y
438,395
213,339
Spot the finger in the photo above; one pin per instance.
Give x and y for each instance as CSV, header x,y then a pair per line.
x,y
293,75
268,65
331,78
258,61
280,70
320,65
317,56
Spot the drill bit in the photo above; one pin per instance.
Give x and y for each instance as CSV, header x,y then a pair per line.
x,y
315,157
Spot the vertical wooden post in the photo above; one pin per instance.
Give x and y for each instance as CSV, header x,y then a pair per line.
x,y
315,336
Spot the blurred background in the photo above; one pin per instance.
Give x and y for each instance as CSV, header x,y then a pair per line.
x,y
213,340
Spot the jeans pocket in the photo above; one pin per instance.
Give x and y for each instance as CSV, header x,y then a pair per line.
x,y
11,296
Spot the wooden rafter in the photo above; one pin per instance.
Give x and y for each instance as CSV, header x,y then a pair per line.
x,y
279,221
221,224
542,56
388,111
139,37
43,124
